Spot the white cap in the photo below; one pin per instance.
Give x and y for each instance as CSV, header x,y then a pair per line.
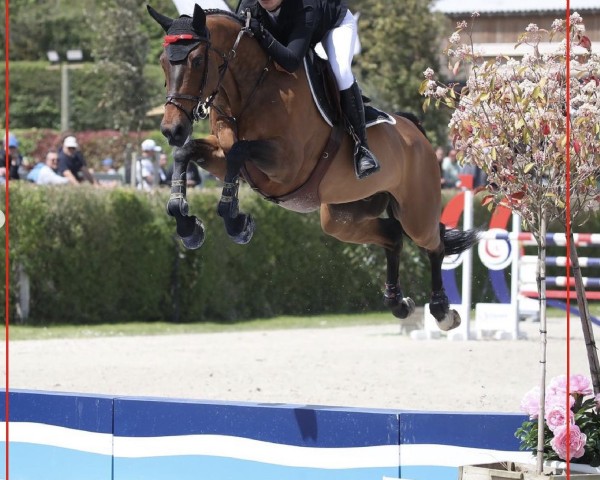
x,y
70,142
148,145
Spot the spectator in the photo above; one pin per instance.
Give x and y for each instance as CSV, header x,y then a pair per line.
x,y
164,172
15,159
107,166
71,163
450,170
44,173
479,176
439,154
144,167
193,178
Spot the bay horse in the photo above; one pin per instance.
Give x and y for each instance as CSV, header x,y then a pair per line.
x,y
266,128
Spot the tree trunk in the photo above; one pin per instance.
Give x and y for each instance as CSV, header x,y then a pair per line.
x,y
584,314
541,284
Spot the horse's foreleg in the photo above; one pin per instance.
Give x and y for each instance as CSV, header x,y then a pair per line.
x,y
439,306
189,228
240,227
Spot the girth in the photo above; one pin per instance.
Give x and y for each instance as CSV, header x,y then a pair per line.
x,y
305,198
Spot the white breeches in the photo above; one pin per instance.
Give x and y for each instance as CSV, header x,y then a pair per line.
x,y
339,45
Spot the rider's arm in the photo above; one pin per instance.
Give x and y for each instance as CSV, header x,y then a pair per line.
x,y
290,56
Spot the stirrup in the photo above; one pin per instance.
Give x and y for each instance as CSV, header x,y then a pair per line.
x,y
365,163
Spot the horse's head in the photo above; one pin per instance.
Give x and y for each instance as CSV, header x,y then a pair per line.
x,y
190,77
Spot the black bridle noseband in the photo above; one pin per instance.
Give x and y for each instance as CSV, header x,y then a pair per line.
x,y
201,109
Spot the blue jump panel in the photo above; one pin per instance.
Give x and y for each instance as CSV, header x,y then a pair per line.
x,y
58,436
84,437
194,440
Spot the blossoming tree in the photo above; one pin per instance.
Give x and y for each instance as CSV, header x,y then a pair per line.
x,y
516,118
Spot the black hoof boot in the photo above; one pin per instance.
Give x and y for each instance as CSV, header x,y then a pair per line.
x,y
241,229
196,239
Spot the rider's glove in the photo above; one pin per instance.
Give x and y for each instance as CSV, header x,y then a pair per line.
x,y
257,29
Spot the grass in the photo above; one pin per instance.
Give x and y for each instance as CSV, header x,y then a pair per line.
x,y
20,332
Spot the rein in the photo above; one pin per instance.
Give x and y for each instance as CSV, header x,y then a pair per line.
x,y
202,108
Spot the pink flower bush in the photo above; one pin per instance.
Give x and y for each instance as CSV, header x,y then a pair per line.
x,y
580,411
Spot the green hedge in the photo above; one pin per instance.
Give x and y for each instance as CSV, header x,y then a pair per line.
x,y
110,255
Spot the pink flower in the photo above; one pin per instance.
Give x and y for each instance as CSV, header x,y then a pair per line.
x,y
576,444
555,417
530,404
557,399
580,384
557,385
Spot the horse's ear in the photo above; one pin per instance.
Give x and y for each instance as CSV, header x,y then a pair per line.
x,y
163,21
199,19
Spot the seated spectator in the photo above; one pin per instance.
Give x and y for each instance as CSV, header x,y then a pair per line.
x,y
479,176
44,173
193,178
107,166
71,163
450,170
164,172
15,159
144,166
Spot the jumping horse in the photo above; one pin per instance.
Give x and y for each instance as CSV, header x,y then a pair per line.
x,y
266,128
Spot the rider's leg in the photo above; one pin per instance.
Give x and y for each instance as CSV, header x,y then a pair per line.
x,y
339,45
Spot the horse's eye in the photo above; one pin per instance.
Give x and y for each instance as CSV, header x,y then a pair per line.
x,y
196,62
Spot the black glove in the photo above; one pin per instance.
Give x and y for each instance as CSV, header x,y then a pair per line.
x,y
257,29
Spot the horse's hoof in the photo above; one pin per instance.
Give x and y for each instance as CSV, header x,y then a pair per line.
x,y
247,231
196,239
404,309
450,321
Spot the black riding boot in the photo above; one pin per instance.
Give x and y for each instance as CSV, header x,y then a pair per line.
x,y
365,162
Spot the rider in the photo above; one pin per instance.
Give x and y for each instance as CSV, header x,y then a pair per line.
x,y
286,29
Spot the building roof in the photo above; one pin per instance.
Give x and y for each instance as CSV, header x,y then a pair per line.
x,y
512,6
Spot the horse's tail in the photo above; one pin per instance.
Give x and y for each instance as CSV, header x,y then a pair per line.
x,y
414,119
457,241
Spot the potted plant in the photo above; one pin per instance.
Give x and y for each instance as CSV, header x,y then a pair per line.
x,y
512,121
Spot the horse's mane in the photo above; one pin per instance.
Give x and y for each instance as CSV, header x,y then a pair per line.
x,y
225,13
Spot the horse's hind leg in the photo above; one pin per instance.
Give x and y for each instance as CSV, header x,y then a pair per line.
x,y
240,227
358,222
439,306
393,298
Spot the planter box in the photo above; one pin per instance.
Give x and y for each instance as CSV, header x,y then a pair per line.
x,y
525,471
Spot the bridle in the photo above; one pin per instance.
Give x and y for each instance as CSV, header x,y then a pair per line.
x,y
202,107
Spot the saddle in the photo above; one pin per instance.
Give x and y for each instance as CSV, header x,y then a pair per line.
x,y
326,96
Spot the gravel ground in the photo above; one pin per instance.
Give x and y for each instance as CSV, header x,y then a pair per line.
x,y
366,366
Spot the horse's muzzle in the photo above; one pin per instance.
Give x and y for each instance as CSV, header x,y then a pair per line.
x,y
176,134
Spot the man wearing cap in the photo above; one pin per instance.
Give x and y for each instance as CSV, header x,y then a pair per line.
x,y
15,159
44,172
71,163
144,168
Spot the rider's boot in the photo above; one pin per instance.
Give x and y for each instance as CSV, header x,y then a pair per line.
x,y
365,162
